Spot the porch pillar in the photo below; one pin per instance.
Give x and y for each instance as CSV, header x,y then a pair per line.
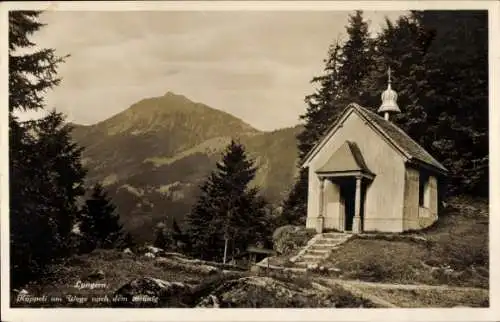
x,y
356,221
321,218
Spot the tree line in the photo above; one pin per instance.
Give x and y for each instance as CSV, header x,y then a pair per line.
x,y
439,61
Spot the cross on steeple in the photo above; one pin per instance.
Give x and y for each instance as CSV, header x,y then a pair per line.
x,y
389,75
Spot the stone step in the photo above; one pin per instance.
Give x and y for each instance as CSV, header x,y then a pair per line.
x,y
328,247
330,241
320,247
312,257
314,251
335,235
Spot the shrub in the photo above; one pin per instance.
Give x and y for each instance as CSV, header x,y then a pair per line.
x,y
287,239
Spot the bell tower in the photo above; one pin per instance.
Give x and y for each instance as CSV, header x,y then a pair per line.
x,y
389,98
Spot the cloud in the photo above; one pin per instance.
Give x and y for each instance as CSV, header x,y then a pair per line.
x,y
255,65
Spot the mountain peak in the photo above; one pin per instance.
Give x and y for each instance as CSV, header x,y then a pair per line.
x,y
170,93
173,113
174,96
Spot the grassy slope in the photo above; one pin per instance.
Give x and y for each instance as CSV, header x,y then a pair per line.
x,y
459,239
120,269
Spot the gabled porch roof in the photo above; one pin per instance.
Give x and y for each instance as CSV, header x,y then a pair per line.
x,y
345,161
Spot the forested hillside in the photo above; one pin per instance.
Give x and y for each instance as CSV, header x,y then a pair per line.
x,y
153,156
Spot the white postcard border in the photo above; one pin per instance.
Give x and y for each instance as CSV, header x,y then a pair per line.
x,y
64,314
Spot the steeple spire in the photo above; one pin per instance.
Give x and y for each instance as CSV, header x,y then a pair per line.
x,y
389,98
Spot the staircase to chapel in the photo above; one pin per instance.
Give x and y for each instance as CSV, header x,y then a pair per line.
x,y
319,248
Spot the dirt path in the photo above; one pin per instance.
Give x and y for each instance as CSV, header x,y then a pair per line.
x,y
358,292
405,286
362,289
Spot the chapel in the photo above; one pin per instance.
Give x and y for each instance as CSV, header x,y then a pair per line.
x,y
367,174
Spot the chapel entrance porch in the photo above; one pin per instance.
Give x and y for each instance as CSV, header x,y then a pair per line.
x,y
342,200
344,179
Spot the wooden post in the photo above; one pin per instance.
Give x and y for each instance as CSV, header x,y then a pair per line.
x,y
321,219
356,221
225,251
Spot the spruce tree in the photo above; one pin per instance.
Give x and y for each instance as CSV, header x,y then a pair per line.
x,y
202,232
100,225
355,60
46,182
439,60
295,205
258,221
30,74
160,241
345,68
45,172
64,172
457,96
227,209
178,235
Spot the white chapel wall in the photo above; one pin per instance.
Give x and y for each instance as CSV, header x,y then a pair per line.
x,y
384,196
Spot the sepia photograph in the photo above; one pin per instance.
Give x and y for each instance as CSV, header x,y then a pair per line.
x,y
212,158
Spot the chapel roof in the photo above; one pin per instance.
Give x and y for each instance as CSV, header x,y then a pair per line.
x,y
396,136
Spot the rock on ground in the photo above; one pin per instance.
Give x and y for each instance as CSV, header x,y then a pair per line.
x,y
150,292
149,255
267,292
187,265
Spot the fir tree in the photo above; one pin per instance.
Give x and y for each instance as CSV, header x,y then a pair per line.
x,y
456,98
100,225
227,211
320,112
44,165
62,164
321,108
178,235
202,233
46,181
436,59
160,241
30,74
355,60
257,220
295,205
341,84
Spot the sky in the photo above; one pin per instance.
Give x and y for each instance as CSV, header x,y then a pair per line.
x,y
256,65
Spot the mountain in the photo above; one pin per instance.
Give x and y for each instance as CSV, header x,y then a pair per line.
x,y
153,156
